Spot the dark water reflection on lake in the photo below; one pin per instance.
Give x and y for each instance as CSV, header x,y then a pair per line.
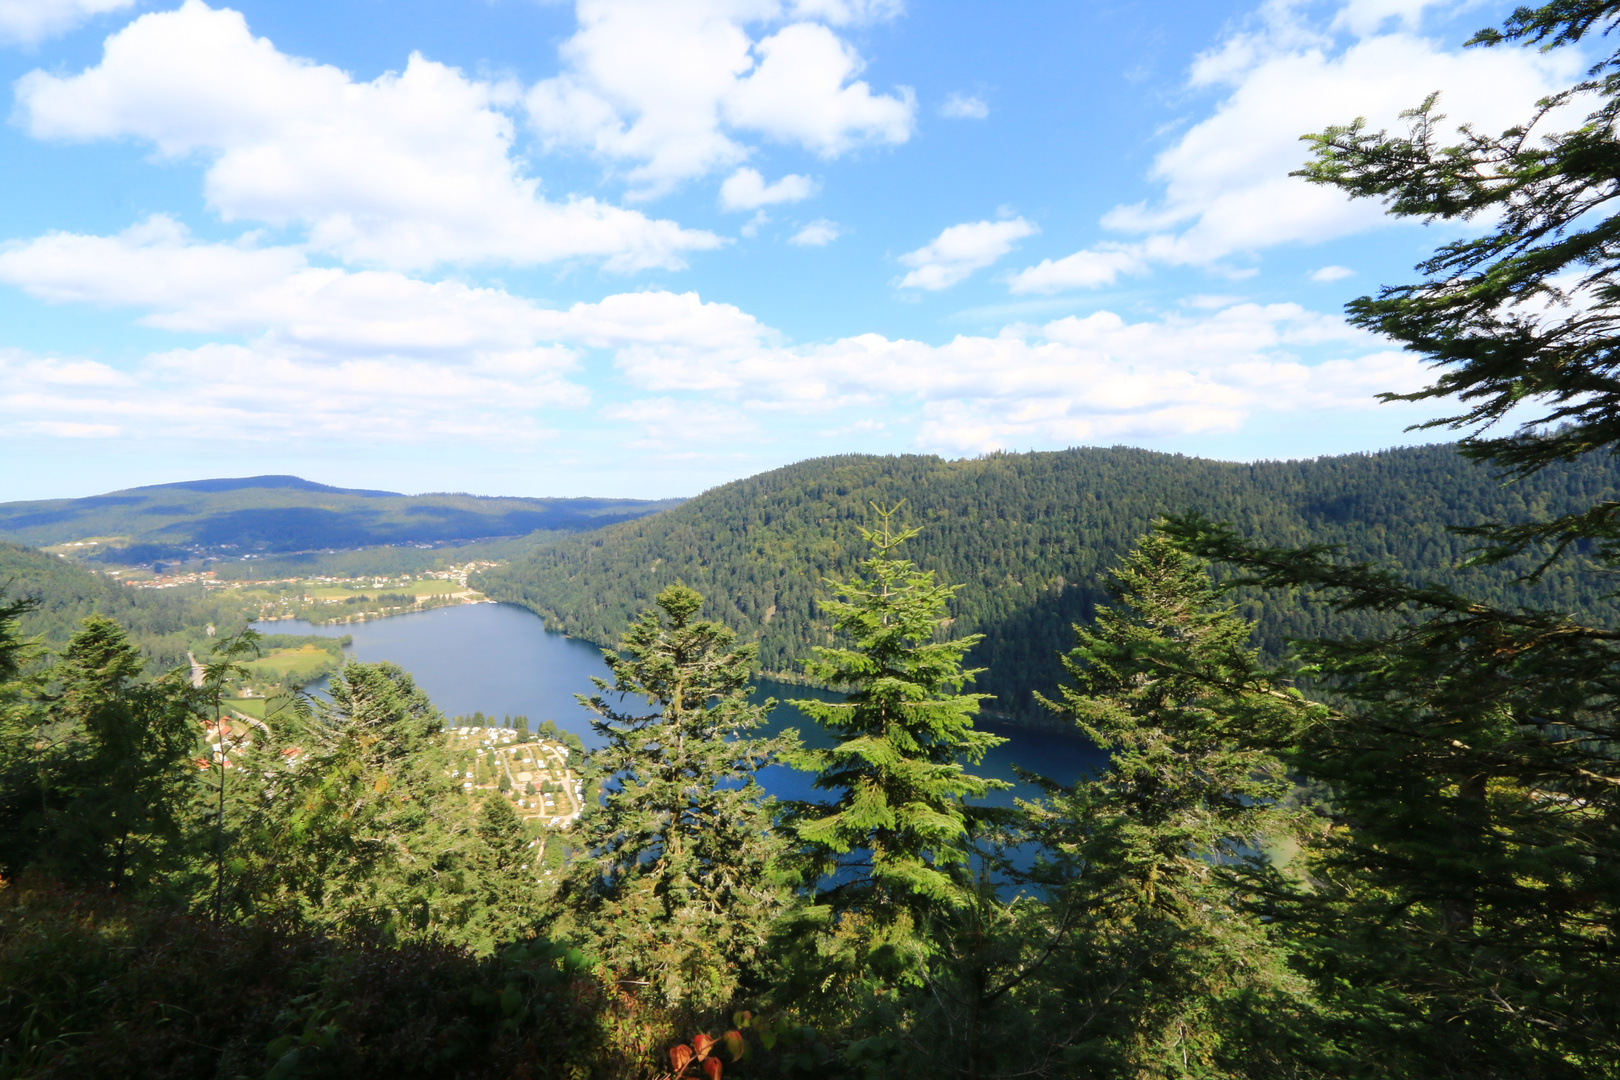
x,y
499,659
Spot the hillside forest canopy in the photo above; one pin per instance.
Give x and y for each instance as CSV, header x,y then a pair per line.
x,y
1388,849
1029,539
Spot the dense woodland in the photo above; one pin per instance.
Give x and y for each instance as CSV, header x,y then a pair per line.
x,y
1030,536
164,624
1391,853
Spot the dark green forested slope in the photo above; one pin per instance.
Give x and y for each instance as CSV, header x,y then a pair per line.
x,y
1027,535
285,513
165,623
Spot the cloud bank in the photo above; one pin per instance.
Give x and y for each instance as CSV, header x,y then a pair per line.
x,y
408,171
1226,192
669,91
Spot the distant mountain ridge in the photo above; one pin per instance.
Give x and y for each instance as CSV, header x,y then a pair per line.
x,y
277,514
275,481
1029,537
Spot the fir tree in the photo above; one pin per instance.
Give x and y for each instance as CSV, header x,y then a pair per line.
x,y
110,762
350,823
1157,967
890,843
1459,917
225,666
671,880
1461,920
501,883
20,786
1520,318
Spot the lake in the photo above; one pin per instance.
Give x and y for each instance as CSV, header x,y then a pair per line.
x,y
500,660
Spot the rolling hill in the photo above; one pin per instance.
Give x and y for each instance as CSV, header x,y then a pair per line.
x,y
1028,537
269,514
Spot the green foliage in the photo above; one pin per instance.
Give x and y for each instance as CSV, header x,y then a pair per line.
x,y
1463,907
383,561
164,623
15,649
92,780
548,729
93,985
1157,968
1524,314
1029,538
501,875
898,814
670,882
356,824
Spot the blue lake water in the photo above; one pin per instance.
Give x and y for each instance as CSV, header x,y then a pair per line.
x,y
499,659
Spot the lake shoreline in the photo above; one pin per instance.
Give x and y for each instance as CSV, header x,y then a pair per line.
x,y
986,718
499,659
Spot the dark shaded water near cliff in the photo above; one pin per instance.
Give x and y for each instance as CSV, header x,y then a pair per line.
x,y
499,659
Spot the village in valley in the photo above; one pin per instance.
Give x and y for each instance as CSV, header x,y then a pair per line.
x,y
539,775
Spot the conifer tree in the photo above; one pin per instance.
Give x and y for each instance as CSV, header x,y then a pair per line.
x,y
109,761
1462,919
501,888
671,880
1159,969
355,829
890,843
15,650
225,665
19,766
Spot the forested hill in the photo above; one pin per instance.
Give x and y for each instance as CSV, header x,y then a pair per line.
x,y
1027,536
286,513
165,623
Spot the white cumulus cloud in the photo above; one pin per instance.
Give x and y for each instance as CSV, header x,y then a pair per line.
x,y
960,250
818,233
746,189
679,428
1082,270
28,22
333,353
409,170
669,88
1331,273
964,107
1075,380
1225,186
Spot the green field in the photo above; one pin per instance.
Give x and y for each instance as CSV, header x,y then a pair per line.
x,y
301,665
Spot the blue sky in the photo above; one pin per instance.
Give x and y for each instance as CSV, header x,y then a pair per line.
x,y
642,247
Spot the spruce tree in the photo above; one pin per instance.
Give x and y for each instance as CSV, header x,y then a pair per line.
x,y
112,758
19,759
352,821
224,667
1158,968
501,879
1461,921
1460,916
671,878
890,844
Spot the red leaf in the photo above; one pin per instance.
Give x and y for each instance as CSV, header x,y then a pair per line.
x,y
680,1057
702,1043
711,1068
